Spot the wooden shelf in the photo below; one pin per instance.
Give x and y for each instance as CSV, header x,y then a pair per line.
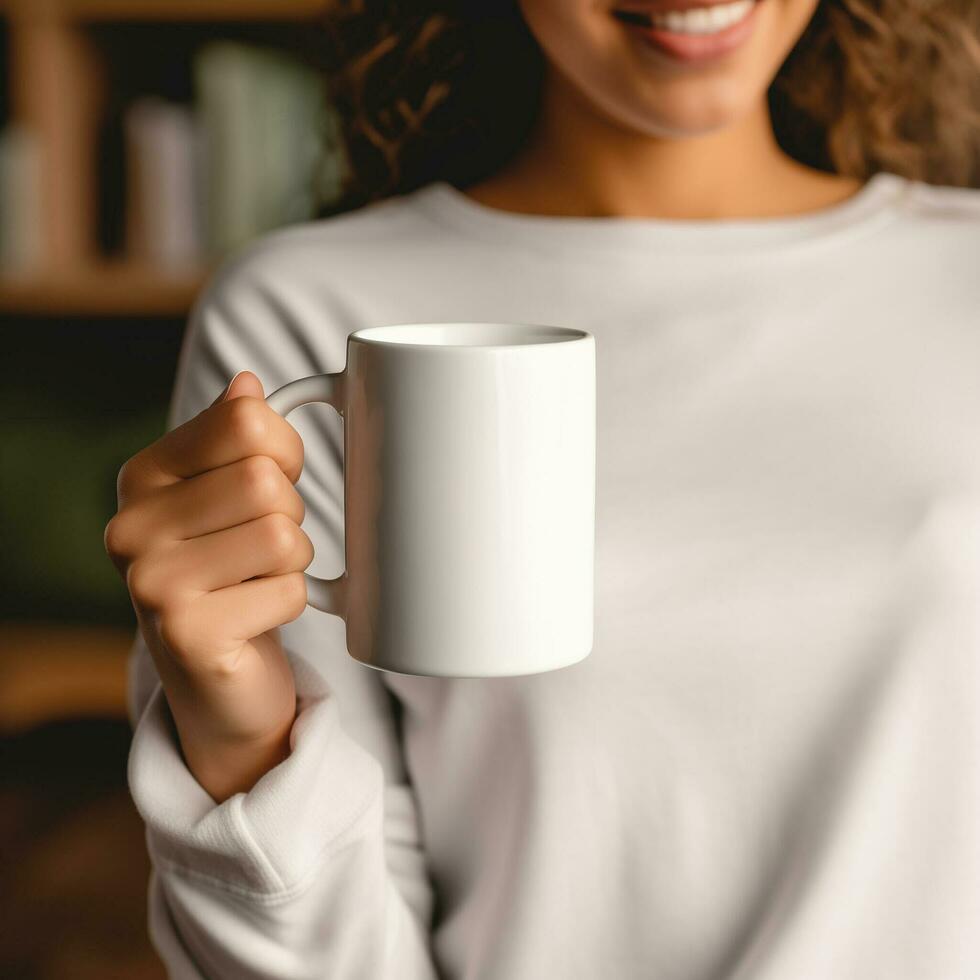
x,y
111,289
52,671
167,10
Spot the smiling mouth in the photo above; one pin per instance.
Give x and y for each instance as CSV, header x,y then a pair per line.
x,y
691,20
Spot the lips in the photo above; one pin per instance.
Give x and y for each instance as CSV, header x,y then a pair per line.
x,y
689,31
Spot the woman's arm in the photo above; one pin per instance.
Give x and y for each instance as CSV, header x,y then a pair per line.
x,y
290,880
317,871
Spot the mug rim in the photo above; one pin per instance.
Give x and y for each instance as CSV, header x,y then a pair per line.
x,y
559,335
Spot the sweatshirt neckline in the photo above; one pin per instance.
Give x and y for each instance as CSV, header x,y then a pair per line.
x,y
873,204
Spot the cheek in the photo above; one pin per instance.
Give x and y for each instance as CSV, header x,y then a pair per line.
x,y
650,92
570,33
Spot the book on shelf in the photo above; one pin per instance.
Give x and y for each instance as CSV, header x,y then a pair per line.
x,y
163,206
270,148
21,218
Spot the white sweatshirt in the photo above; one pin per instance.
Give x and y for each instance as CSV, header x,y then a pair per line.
x,y
768,768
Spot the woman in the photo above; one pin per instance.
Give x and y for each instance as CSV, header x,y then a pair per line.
x,y
769,765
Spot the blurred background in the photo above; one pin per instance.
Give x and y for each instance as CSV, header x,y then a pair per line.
x,y
140,141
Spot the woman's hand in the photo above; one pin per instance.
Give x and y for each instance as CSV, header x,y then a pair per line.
x,y
207,537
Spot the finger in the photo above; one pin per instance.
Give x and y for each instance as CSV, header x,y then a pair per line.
x,y
270,545
141,474
261,604
215,626
234,388
223,433
211,501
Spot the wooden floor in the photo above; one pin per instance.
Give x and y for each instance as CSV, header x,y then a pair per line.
x,y
73,864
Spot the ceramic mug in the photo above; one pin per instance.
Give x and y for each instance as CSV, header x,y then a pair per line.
x,y
469,496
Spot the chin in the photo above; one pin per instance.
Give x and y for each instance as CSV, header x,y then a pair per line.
x,y
688,109
678,110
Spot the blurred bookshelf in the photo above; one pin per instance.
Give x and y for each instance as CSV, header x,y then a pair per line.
x,y
111,219
162,10
109,288
71,67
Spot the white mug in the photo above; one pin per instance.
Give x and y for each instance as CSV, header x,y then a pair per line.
x,y
469,496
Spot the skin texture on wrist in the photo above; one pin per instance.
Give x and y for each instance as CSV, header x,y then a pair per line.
x,y
224,767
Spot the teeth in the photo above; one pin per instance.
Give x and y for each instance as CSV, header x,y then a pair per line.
x,y
703,20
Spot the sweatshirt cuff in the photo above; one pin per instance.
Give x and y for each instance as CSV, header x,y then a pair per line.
x,y
268,842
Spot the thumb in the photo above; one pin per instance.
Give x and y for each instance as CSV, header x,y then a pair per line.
x,y
243,383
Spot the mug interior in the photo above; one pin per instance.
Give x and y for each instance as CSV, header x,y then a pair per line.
x,y
467,334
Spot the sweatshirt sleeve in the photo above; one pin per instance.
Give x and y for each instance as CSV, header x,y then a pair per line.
x,y
318,870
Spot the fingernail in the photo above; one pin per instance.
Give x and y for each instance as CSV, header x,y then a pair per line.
x,y
230,383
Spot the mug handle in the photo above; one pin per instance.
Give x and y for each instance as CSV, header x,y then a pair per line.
x,y
326,594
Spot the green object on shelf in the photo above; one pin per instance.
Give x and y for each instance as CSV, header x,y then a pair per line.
x,y
57,492
266,127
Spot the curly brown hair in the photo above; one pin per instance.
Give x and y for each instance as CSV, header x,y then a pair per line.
x,y
449,89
